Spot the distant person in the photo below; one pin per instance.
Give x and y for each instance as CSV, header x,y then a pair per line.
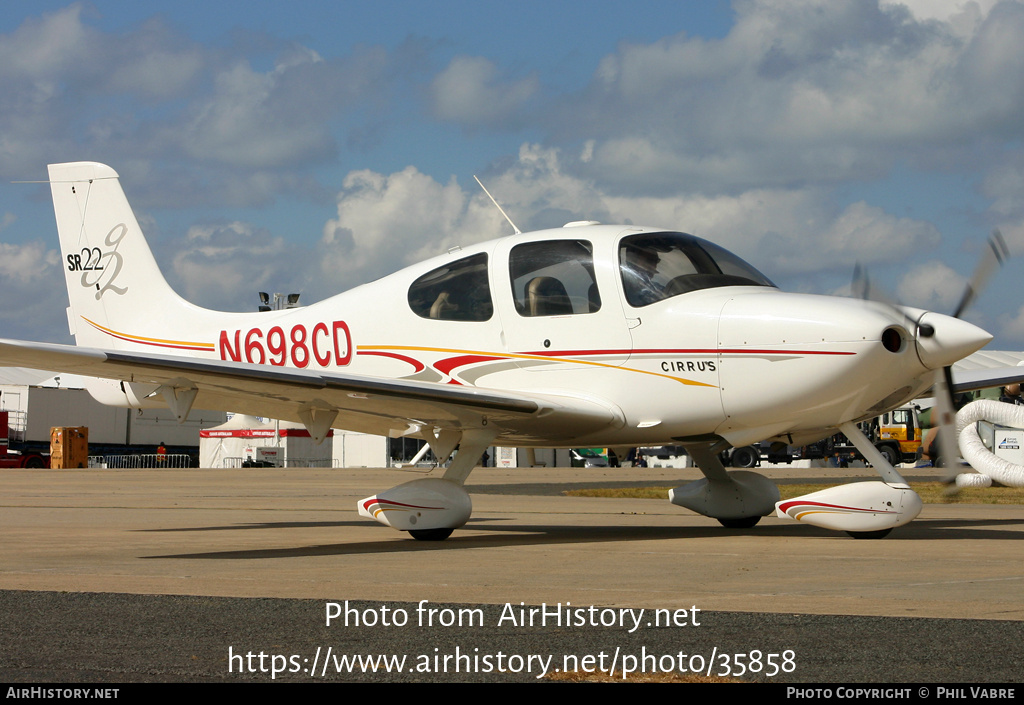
x,y
161,453
1011,394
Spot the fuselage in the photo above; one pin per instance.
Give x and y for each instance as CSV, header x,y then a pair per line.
x,y
677,338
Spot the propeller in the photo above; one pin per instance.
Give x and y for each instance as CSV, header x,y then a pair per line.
x,y
944,419
862,289
944,414
995,256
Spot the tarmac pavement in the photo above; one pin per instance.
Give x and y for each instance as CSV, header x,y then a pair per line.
x,y
154,575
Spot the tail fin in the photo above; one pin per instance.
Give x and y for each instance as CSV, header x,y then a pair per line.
x,y
119,298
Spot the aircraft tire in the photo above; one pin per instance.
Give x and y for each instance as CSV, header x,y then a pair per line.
x,y
880,534
744,523
431,534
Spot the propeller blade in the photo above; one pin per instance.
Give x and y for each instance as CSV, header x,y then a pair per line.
x,y
994,257
944,419
861,285
862,289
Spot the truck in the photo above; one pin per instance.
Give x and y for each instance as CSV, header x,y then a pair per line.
x,y
896,434
899,434
752,455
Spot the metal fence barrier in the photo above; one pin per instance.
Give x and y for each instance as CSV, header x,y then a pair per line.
x,y
183,460
147,460
235,462
309,463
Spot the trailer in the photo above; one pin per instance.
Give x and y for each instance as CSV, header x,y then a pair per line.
x,y
28,412
18,457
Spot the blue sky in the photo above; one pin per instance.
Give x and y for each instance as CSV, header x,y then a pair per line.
x,y
316,146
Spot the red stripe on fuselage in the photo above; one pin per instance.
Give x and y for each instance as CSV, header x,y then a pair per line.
x,y
678,351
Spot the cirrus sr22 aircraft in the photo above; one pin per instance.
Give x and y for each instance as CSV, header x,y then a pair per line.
x,y
586,335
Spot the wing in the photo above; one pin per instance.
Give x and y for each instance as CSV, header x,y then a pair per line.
x,y
322,400
988,368
971,380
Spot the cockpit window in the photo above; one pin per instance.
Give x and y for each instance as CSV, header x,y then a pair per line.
x,y
455,292
657,266
554,278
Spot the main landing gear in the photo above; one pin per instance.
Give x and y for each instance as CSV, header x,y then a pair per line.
x,y
431,508
745,523
430,534
737,498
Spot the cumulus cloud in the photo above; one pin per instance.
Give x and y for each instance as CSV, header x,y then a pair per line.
x,y
225,266
62,80
207,114
470,92
27,263
799,92
243,124
59,51
1012,326
387,221
280,117
32,282
789,231
744,139
931,285
944,10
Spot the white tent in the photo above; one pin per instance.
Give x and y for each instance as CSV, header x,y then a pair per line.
x,y
247,438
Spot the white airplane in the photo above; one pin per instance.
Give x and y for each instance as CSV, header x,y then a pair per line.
x,y
586,335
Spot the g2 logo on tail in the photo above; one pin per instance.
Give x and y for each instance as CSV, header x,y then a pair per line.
x,y
99,269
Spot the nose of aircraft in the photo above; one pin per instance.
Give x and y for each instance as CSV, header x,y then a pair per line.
x,y
950,339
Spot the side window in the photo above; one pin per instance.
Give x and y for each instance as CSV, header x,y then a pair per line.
x,y
455,292
554,278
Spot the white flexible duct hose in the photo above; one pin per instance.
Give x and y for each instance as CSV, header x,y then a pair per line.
x,y
974,451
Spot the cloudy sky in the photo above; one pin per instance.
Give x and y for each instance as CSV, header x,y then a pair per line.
x,y
314,146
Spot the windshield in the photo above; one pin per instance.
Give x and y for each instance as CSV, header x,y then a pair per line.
x,y
657,266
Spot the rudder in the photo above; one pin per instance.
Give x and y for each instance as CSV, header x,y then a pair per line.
x,y
113,281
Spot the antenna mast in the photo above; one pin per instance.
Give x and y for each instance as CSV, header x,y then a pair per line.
x,y
518,231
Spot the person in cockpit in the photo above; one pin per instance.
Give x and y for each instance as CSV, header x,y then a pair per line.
x,y
639,267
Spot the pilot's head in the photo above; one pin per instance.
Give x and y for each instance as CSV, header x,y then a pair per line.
x,y
643,259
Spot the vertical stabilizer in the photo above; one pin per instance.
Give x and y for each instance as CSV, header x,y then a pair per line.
x,y
114,285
